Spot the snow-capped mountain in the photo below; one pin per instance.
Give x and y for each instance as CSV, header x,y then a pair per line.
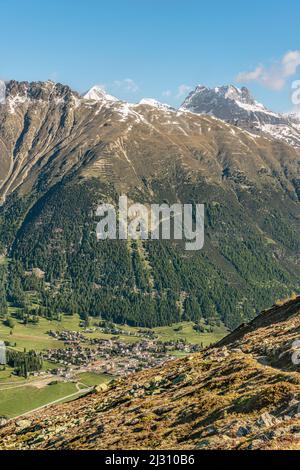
x,y
237,106
96,93
62,153
155,104
227,103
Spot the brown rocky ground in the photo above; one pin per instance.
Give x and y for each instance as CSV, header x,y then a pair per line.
x,y
242,394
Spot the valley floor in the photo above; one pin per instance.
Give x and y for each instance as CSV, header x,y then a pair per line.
x,y
19,395
241,394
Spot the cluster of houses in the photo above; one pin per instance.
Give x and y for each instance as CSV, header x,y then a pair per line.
x,y
73,355
182,346
116,331
68,336
108,356
112,355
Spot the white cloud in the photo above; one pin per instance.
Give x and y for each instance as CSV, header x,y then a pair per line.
x,y
183,90
275,76
127,84
167,93
250,76
290,63
296,98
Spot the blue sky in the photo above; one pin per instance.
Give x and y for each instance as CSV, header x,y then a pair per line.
x,y
154,48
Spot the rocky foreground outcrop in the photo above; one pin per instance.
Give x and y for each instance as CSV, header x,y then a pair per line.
x,y
242,395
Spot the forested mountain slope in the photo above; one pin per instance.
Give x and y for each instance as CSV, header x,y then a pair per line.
x,y
62,154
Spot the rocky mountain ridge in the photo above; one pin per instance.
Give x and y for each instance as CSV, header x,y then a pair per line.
x,y
236,106
62,154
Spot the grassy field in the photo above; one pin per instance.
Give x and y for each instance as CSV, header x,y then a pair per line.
x,y
14,402
123,338
90,378
35,336
186,332
180,331
5,375
19,395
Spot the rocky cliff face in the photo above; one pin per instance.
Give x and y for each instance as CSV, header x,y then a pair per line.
x,y
237,107
48,127
61,154
242,394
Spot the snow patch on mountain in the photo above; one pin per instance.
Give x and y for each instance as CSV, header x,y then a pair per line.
x,y
286,133
96,93
155,104
240,97
236,106
14,101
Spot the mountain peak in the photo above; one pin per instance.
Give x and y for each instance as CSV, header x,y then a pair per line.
x,y
231,93
97,93
155,103
237,106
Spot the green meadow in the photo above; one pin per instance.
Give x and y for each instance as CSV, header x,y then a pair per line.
x,y
16,401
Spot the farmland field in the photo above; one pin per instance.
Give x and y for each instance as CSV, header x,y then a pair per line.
x,y
15,401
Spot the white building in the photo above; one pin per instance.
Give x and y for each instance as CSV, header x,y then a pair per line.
x,y
2,353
